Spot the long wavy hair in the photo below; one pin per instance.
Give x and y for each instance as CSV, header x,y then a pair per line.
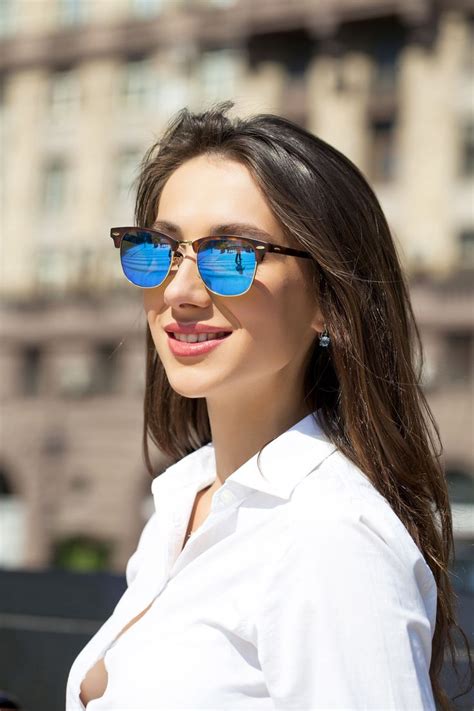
x,y
366,385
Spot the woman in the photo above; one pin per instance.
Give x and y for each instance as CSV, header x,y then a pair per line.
x,y
298,554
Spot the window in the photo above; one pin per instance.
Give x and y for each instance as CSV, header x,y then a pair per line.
x,y
174,93
462,567
460,485
219,74
458,363
51,268
469,48
71,12
467,149
466,247
146,8
54,443
222,3
2,100
385,52
31,370
105,369
8,17
56,186
75,376
81,268
382,148
139,84
429,371
13,524
80,484
64,94
461,497
5,488
127,166
3,135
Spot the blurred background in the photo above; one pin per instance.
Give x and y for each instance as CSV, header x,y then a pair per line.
x,y
86,86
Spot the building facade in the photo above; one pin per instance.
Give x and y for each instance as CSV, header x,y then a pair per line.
x,y
86,87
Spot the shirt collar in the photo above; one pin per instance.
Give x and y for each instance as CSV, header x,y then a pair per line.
x,y
281,465
286,460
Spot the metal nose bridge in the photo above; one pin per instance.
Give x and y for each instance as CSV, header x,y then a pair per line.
x,y
181,256
178,254
183,241
180,242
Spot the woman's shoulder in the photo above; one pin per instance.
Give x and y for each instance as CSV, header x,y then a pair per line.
x,y
341,500
336,486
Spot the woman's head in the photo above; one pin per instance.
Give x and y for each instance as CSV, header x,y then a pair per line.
x,y
273,325
266,170
304,193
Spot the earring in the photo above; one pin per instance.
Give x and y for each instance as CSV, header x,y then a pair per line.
x,y
324,338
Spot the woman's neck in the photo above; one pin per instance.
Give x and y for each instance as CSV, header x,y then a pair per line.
x,y
236,439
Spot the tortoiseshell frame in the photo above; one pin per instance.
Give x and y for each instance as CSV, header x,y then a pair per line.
x,y
260,248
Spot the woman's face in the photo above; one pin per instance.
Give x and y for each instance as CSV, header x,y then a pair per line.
x,y
273,325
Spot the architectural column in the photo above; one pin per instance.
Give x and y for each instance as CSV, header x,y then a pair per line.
x,y
25,97
428,147
338,92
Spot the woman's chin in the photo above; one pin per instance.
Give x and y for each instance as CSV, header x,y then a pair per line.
x,y
186,387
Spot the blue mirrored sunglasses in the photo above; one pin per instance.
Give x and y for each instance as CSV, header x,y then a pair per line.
x,y
226,264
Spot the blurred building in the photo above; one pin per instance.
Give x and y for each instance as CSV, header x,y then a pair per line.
x,y
86,87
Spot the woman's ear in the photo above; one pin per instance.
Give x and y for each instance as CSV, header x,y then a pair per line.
x,y
318,322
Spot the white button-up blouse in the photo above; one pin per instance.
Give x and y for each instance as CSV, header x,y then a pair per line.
x,y
301,590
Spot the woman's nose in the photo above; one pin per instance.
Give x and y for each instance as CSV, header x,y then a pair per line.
x,y
186,284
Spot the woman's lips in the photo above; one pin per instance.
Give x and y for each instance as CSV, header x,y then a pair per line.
x,y
182,348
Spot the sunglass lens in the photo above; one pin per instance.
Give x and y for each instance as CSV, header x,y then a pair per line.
x,y
145,258
227,266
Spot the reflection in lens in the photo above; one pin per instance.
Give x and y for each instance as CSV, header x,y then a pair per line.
x,y
227,266
145,258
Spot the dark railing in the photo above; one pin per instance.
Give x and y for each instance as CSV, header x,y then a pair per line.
x,y
46,618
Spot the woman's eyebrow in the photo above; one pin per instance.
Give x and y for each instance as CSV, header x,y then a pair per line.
x,y
233,228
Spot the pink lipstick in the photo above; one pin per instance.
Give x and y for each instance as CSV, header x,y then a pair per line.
x,y
182,348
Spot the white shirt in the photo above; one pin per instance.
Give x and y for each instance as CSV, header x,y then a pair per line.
x,y
301,590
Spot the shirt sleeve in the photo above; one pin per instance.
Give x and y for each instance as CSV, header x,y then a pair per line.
x,y
342,621
136,559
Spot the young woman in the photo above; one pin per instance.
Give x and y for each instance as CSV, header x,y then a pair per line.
x,y
298,555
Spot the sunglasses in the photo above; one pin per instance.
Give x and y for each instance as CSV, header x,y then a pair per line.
x,y
226,264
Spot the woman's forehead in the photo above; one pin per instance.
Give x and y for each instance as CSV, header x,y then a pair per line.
x,y
203,193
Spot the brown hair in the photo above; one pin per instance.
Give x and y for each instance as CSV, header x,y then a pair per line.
x,y
367,384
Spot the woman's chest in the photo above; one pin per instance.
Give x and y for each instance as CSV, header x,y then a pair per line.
x,y
192,663
202,619
96,680
200,628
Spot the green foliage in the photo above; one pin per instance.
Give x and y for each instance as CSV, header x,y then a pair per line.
x,y
82,553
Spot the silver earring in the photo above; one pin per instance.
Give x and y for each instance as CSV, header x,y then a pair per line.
x,y
324,339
